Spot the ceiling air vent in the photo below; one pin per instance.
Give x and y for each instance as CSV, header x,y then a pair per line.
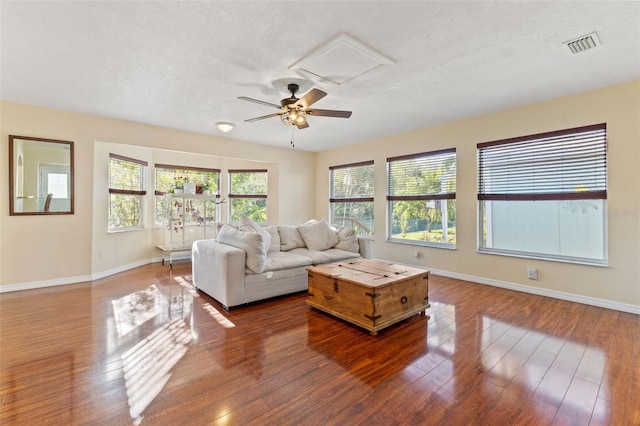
x,y
584,43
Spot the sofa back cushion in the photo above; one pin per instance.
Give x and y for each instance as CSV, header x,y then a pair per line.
x,y
248,225
348,239
290,238
251,242
318,235
275,238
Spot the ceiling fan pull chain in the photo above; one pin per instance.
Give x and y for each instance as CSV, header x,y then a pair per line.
x,y
293,145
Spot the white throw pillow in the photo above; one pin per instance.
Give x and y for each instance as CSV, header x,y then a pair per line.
x,y
248,225
251,242
290,238
348,239
318,235
275,238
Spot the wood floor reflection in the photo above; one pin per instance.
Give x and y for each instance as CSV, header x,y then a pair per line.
x,y
143,347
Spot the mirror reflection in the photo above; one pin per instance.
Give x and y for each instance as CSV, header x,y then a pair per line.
x,y
40,176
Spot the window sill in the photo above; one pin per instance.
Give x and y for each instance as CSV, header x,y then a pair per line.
x,y
574,261
445,246
119,231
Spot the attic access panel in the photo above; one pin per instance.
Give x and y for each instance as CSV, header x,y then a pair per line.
x,y
340,60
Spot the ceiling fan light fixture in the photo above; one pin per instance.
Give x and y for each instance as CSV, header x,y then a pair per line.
x,y
294,117
225,127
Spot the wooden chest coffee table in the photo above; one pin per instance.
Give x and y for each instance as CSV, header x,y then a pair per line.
x,y
368,293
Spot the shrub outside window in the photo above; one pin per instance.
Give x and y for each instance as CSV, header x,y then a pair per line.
x,y
544,196
248,195
421,198
127,186
351,200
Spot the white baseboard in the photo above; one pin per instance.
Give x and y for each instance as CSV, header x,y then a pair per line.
x,y
74,280
85,278
119,269
602,303
46,283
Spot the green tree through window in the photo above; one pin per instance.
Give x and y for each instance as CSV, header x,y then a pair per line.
x,y
127,186
351,200
421,197
248,195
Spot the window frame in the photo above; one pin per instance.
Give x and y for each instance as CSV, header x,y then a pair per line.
x,y
247,196
391,198
126,192
557,192
333,199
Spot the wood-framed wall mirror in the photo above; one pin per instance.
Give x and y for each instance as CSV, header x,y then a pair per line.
x,y
40,176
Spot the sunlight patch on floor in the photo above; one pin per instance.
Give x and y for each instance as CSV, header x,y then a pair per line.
x,y
216,315
147,365
186,283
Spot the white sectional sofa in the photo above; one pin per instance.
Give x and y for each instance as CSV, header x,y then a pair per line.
x,y
249,263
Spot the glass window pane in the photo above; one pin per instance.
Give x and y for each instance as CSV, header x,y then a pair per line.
x,y
571,229
125,211
352,183
544,195
248,183
421,198
254,208
126,174
356,215
242,185
57,185
430,221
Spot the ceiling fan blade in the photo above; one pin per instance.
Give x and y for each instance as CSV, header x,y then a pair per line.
x,y
244,98
303,125
312,96
329,113
275,114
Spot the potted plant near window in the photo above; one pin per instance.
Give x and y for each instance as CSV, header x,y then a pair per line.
x,y
178,184
206,188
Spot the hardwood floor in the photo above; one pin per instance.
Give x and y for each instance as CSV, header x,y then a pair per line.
x,y
142,346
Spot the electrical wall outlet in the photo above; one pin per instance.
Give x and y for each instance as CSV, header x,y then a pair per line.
x,y
532,273
101,254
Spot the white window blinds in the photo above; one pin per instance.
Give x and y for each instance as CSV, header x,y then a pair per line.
x,y
563,165
127,175
352,182
425,176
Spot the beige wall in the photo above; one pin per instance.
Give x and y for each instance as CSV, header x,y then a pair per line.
x,y
54,249
618,106
42,250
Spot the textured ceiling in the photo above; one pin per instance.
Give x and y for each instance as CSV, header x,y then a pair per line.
x,y
183,64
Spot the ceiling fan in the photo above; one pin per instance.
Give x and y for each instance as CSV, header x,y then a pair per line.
x,y
294,111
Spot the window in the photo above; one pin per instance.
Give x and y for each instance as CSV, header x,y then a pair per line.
x,y
248,195
127,186
421,198
168,177
544,195
351,201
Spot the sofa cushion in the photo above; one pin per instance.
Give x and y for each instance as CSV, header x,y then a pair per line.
x,y
285,260
347,239
318,235
290,238
325,256
248,225
275,238
251,242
